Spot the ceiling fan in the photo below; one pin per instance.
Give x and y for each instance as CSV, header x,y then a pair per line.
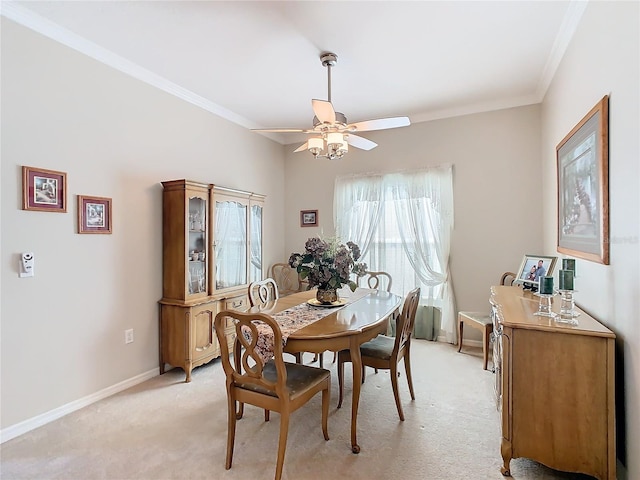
x,y
331,135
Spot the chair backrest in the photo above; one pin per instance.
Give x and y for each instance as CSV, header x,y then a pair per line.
x,y
247,368
406,320
376,280
286,278
263,291
508,278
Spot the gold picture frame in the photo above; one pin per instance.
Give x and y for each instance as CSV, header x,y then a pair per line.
x,y
94,214
583,187
44,190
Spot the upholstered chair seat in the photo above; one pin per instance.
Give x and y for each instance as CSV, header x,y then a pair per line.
x,y
299,378
380,347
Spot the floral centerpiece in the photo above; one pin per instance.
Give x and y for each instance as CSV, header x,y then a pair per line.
x,y
328,264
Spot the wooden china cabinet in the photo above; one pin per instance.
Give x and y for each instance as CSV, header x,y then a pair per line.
x,y
555,386
212,249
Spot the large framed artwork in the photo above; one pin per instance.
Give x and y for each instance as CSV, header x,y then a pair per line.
x,y
583,187
44,190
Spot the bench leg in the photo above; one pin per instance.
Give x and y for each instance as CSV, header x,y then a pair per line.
x,y
460,327
485,346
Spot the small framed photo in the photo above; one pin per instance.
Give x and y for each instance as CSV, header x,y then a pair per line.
x,y
308,218
532,268
94,214
44,190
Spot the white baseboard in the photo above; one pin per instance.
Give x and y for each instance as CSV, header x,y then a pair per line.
x,y
466,343
31,424
472,343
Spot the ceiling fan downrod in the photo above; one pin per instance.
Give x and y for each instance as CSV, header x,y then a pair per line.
x,y
329,60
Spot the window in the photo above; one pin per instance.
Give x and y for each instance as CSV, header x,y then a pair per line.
x,y
387,253
402,223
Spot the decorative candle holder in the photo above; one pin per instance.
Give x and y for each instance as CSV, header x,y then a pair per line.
x,y
544,305
567,308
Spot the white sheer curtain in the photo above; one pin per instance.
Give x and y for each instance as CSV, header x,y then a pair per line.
x,y
424,209
409,234
231,244
357,208
256,243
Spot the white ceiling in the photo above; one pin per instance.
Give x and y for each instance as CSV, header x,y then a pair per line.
x,y
257,63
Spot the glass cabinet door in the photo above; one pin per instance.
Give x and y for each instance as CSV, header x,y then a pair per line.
x,y
197,246
230,243
255,268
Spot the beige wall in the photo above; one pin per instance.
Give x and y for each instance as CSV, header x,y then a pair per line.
x,y
497,191
114,136
603,59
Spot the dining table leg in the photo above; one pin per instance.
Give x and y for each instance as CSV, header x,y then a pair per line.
x,y
356,362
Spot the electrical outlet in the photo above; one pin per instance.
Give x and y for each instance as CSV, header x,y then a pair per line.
x,y
128,336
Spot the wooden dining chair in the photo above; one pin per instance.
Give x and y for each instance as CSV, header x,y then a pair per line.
x,y
376,280
263,291
508,278
274,385
385,352
287,278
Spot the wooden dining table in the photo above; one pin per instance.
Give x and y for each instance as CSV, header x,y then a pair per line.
x,y
366,313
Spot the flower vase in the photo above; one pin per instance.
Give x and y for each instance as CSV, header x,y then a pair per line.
x,y
327,295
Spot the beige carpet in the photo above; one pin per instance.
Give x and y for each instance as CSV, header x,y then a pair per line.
x,y
166,429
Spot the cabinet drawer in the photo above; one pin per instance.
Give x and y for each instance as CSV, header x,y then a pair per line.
x,y
240,302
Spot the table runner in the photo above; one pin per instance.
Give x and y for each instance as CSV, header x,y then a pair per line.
x,y
293,319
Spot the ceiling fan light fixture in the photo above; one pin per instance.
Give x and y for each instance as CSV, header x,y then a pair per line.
x,y
335,140
337,146
315,145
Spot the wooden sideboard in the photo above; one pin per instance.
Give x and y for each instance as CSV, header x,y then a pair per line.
x,y
555,387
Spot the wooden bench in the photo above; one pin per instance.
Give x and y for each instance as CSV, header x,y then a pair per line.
x,y
481,321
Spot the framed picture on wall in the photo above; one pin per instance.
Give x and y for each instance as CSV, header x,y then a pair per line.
x,y
94,214
308,218
583,187
44,190
533,267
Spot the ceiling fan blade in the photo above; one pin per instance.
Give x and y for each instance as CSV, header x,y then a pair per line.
x,y
281,130
324,111
379,124
301,148
360,142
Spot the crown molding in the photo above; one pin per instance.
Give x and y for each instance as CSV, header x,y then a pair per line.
x,y
43,26
570,23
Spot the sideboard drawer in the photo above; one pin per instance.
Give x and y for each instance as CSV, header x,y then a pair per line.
x,y
241,302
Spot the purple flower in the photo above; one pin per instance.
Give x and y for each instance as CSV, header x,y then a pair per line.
x,y
328,264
